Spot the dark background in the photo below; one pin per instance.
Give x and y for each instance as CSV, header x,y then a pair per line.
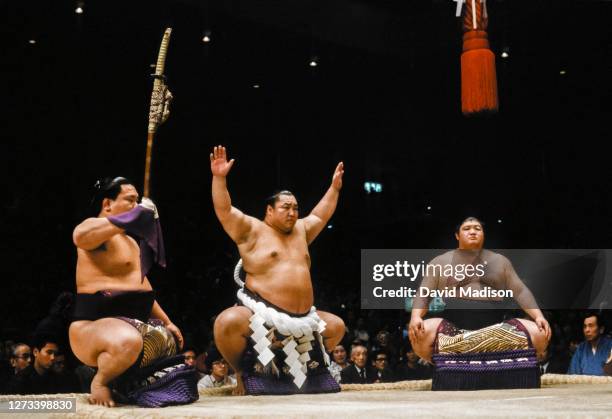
x,y
385,99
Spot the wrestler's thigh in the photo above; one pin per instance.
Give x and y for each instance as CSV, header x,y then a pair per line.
x,y
233,320
538,338
335,325
90,338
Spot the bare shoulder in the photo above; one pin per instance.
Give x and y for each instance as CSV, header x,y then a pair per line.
x,y
84,224
242,228
256,224
442,259
300,227
494,257
248,240
84,234
497,262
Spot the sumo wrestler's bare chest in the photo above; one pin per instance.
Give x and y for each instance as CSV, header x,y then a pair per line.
x,y
274,248
120,253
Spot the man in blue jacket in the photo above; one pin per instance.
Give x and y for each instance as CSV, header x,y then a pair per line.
x,y
591,355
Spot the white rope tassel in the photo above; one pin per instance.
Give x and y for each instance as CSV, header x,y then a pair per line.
x,y
259,336
293,361
302,329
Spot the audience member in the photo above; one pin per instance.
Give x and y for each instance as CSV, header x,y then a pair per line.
x,y
383,342
21,357
338,363
218,372
592,354
413,368
384,374
38,378
359,372
190,357
361,332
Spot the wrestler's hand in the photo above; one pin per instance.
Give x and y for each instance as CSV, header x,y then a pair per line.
x,y
148,204
416,328
219,166
337,179
177,334
543,326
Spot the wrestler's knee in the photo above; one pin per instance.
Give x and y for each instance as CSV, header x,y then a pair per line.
x,y
538,337
422,345
232,320
111,336
334,325
431,325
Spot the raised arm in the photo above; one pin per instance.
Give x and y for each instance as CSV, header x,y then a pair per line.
x,y
524,298
320,215
235,223
92,232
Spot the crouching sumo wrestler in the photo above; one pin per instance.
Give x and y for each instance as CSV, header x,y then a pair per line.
x,y
111,329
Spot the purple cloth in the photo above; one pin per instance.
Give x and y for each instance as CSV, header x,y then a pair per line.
x,y
166,382
266,386
141,223
177,388
486,370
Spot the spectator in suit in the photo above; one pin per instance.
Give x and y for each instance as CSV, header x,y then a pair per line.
x,y
384,374
21,357
359,372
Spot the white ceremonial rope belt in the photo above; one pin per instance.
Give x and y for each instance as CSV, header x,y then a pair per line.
x,y
300,329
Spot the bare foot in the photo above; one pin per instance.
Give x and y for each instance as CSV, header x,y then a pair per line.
x,y
100,395
239,390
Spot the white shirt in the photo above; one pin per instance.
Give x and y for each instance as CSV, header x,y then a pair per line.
x,y
208,381
335,371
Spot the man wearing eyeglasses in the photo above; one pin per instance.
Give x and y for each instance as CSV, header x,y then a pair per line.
x,y
21,357
384,374
38,378
219,374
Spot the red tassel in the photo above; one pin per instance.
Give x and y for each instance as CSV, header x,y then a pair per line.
x,y
478,78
